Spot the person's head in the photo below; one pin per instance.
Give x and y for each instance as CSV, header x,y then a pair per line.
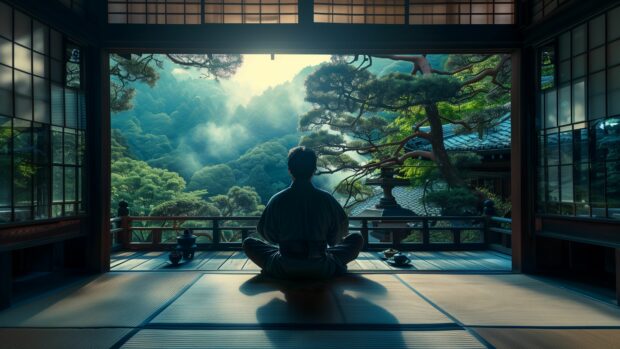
x,y
301,163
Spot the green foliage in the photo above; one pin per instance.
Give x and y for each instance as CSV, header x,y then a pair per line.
x,y
502,207
185,206
453,201
367,115
239,201
215,179
142,186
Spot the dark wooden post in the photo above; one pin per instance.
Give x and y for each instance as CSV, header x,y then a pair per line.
x,y
306,12
125,233
618,277
98,159
216,232
6,279
426,235
522,149
364,232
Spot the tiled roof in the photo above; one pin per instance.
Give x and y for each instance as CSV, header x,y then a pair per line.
x,y
496,138
406,197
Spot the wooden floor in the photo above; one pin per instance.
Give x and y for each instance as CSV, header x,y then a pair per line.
x,y
203,309
230,261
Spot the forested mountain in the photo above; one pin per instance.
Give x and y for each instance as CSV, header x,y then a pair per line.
x,y
186,136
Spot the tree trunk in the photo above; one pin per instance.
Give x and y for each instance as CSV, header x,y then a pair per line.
x,y
442,159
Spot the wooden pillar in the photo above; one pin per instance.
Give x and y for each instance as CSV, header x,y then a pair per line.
x,y
618,276
305,11
6,279
522,151
98,150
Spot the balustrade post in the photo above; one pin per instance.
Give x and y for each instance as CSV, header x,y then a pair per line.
x,y
216,232
125,233
425,232
488,211
364,232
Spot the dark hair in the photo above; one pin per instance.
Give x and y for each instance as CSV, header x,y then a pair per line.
x,y
301,162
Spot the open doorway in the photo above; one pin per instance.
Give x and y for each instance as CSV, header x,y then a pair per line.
x,y
415,147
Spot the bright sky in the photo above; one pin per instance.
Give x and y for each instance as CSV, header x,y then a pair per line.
x,y
258,72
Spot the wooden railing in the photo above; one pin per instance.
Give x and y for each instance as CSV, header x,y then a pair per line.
x,y
499,236
223,233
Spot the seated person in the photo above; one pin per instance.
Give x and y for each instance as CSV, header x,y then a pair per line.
x,y
299,223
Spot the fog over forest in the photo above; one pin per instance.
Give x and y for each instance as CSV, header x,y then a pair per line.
x,y
217,134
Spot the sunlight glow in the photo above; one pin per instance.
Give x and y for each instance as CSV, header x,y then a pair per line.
x,y
258,72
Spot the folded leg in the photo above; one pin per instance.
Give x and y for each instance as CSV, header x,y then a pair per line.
x,y
348,249
259,251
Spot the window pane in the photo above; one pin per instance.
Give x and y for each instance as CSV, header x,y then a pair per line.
x,y
566,147
72,77
23,95
6,52
57,179
58,107
579,66
597,134
40,37
613,93
23,30
70,147
70,108
581,184
611,139
42,192
56,45
57,151
565,71
564,46
57,210
553,185
613,51
580,141
579,101
23,168
70,185
23,213
579,40
41,100
613,189
596,100
23,58
597,59
552,149
597,31
6,21
551,109
6,91
56,71
564,105
5,163
41,138
613,25
566,176
547,70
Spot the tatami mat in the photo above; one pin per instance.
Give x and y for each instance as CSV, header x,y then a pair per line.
x,y
245,299
21,338
258,339
112,299
511,300
504,338
383,299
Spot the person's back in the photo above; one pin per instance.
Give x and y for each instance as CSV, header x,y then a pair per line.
x,y
303,221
